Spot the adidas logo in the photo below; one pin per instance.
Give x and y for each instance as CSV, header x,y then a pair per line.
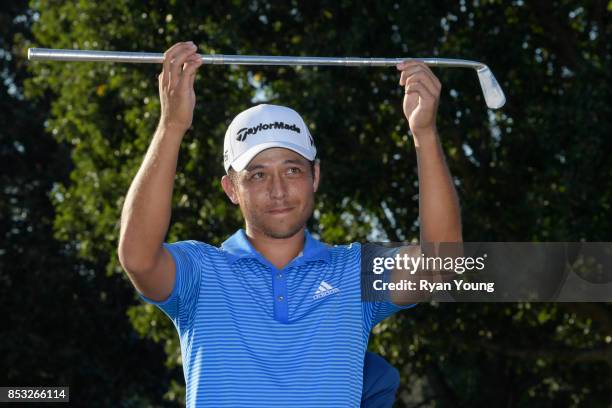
x,y
325,289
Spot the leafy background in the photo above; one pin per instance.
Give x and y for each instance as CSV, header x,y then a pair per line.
x,y
74,134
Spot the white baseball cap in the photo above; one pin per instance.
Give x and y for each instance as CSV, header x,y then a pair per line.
x,y
263,127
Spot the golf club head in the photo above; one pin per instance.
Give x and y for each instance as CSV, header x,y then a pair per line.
x,y
493,94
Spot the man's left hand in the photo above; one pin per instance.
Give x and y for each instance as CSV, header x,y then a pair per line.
x,y
422,94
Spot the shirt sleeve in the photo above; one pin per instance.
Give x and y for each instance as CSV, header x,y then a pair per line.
x,y
377,310
180,306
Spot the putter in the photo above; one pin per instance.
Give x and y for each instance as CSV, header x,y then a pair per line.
x,y
493,94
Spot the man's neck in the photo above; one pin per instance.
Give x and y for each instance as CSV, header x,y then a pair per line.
x,y
278,251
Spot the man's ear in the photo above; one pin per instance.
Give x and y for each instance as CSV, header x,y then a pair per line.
x,y
317,176
229,188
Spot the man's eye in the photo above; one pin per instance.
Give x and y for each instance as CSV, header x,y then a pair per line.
x,y
295,170
257,175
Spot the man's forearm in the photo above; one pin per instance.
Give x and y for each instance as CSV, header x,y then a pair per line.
x,y
439,213
148,205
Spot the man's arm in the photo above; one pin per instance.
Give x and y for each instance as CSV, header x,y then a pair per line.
x,y
146,212
439,213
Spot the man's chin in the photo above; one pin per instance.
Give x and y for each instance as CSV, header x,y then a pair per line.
x,y
282,233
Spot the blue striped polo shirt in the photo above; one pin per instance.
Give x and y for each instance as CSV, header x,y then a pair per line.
x,y
253,335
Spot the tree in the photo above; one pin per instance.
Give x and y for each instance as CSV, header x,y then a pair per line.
x,y
63,323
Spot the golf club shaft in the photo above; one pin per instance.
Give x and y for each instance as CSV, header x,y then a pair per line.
x,y
41,54
494,96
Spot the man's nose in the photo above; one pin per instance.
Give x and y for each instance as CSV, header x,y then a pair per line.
x,y
278,188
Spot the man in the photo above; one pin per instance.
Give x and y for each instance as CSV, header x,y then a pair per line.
x,y
273,317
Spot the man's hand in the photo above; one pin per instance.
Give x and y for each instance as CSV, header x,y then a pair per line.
x,y
422,94
176,85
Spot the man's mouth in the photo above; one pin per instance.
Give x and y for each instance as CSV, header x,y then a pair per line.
x,y
280,210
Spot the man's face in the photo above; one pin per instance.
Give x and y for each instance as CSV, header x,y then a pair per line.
x,y
275,192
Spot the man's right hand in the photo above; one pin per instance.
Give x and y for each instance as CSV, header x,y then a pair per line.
x,y
176,91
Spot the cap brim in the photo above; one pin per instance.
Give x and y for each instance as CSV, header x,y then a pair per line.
x,y
245,158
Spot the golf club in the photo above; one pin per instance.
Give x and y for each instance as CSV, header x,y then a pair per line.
x,y
493,94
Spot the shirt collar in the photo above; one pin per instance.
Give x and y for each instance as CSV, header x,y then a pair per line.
x,y
238,246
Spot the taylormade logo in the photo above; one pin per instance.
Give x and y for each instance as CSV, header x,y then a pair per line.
x,y
244,132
